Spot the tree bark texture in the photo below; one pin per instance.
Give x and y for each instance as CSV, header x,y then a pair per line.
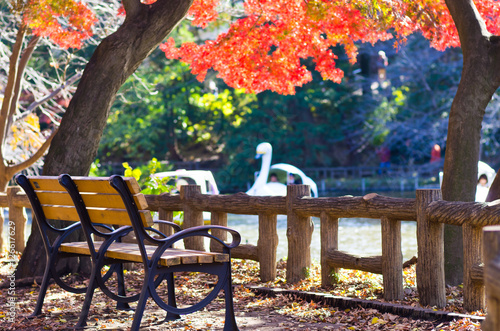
x,y
267,246
16,213
299,233
329,234
461,213
494,191
246,252
168,216
473,256
430,266
192,218
218,218
480,79
75,145
392,259
369,206
340,259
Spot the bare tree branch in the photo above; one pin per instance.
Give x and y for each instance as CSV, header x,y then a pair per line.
x,y
25,57
55,92
12,170
10,84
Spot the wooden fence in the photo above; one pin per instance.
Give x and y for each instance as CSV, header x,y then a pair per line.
x,y
428,210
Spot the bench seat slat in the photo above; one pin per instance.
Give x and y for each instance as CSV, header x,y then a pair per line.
x,y
130,252
97,215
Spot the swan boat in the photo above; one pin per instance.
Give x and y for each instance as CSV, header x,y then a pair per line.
x,y
203,178
482,169
264,187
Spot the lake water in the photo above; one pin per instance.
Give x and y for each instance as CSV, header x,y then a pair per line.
x,y
359,236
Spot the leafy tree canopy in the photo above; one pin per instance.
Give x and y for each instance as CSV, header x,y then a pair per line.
x,y
265,40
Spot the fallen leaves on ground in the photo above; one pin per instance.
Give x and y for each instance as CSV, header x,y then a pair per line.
x,y
61,309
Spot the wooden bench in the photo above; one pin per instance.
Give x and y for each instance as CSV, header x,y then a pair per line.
x,y
109,209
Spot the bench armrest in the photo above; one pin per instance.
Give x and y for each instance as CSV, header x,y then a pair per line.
x,y
203,231
176,227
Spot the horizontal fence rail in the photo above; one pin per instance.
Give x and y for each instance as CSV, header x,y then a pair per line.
x,y
428,211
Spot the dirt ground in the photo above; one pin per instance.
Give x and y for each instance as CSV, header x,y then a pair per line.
x,y
253,312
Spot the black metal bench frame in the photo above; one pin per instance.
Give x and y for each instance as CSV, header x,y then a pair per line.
x,y
154,272
52,239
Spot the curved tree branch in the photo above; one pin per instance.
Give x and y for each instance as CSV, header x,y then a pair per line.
x,y
132,7
55,92
12,170
9,89
113,61
470,25
23,62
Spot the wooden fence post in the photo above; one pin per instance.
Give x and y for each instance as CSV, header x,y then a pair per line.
x,y
430,267
1,229
299,234
267,246
491,253
473,290
392,259
329,238
17,215
165,215
218,218
192,217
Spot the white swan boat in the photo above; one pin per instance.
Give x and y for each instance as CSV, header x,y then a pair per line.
x,y
481,191
264,187
203,178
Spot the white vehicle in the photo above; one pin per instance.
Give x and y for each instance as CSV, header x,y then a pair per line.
x,y
203,178
264,186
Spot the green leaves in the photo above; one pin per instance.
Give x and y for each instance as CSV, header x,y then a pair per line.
x,y
149,183
129,172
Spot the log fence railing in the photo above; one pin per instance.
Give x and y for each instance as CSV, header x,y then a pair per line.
x,y
427,209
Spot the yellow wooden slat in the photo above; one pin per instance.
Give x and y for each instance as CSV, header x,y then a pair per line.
x,y
97,215
130,252
101,184
46,183
91,200
63,213
206,257
54,198
84,184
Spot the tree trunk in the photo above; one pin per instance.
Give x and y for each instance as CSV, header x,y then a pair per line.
x,y
494,192
480,79
115,59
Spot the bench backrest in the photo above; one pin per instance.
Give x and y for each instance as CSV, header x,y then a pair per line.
x,y
104,204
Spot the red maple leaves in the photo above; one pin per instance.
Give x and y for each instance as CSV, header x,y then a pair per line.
x,y
263,50
66,22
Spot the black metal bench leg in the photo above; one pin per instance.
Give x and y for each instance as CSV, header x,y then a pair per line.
x,y
141,304
43,290
230,323
171,297
82,321
121,288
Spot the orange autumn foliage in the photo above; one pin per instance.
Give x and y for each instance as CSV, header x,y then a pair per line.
x,y
263,49
65,22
